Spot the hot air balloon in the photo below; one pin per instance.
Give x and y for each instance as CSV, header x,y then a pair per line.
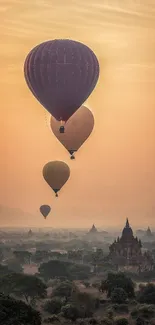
x,y
77,130
56,174
61,74
45,210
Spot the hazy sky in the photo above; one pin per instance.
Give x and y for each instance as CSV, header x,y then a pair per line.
x,y
113,175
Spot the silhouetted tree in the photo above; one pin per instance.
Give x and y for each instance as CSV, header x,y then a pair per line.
x,y
53,306
146,294
118,280
24,257
16,312
118,296
28,287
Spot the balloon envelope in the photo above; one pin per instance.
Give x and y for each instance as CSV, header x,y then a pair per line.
x,y
61,74
77,129
45,210
56,174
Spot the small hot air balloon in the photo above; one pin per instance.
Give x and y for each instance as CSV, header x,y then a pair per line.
x,y
61,74
56,174
77,130
45,210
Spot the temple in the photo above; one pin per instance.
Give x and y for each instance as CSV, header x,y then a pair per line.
x,y
149,232
126,251
93,230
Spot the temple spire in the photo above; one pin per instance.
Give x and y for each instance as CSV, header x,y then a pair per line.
x,y
127,223
93,229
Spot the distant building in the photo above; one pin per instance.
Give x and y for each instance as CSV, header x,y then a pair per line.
x,y
127,254
30,233
148,232
93,230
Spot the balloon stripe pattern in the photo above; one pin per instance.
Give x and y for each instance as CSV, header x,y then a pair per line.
x,y
61,74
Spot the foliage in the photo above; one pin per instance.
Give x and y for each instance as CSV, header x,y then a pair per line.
x,y
27,286
121,321
85,302
16,312
79,271
14,265
118,296
146,294
75,255
144,311
52,319
53,282
70,311
58,269
54,269
96,284
41,256
118,280
53,306
64,289
4,270
86,284
142,321
23,257
110,313
1,255
121,308
97,257
106,321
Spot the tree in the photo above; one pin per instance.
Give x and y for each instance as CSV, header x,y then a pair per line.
x,y
1,255
41,256
121,321
28,287
52,319
97,257
70,311
75,255
118,296
14,265
106,321
53,306
143,311
118,280
59,269
85,302
24,257
141,321
16,312
4,270
64,289
54,269
78,271
146,294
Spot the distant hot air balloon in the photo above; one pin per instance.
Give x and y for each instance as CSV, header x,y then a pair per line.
x,y
45,210
56,174
61,74
77,130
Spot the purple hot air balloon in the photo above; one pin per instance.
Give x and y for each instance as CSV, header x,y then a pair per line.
x,y
61,74
45,210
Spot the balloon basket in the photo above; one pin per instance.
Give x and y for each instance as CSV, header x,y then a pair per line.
x,y
62,129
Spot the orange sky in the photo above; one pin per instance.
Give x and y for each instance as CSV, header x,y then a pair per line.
x,y
113,175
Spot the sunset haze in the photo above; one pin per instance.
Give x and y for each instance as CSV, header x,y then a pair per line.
x,y
113,175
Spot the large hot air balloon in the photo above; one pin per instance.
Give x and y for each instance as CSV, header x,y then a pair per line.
x,y
45,210
61,74
77,130
56,174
